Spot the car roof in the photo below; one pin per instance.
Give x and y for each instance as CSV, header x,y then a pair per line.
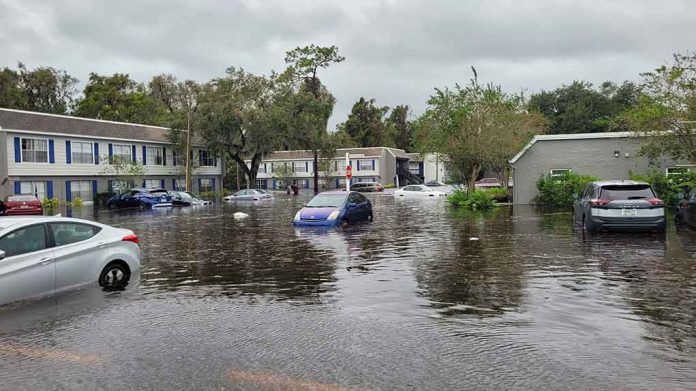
x,y
619,182
9,222
335,192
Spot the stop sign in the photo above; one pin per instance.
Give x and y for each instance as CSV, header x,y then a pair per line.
x,y
349,172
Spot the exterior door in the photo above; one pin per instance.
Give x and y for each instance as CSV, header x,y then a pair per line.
x,y
77,258
28,269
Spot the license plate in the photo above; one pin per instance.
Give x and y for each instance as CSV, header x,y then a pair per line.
x,y
24,207
629,212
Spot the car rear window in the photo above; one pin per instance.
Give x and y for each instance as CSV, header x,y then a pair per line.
x,y
634,192
21,198
159,193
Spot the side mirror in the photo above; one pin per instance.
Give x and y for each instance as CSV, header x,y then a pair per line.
x,y
2,255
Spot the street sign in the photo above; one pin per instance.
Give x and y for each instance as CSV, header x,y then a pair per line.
x,y
349,172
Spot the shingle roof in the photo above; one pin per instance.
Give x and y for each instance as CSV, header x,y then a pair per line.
x,y
62,124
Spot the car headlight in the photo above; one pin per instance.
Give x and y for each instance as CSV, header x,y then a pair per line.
x,y
333,215
297,215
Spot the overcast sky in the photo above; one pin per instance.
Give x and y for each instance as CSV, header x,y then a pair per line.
x,y
396,51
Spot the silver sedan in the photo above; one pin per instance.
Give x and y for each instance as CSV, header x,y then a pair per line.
x,y
42,256
248,195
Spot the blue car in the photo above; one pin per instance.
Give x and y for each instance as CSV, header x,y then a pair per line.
x,y
140,198
334,208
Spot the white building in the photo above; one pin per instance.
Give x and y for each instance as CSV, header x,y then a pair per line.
x,y
428,167
65,157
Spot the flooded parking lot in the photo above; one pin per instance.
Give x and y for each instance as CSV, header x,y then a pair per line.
x,y
426,297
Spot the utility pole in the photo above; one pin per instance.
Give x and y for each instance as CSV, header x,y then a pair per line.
x,y
188,150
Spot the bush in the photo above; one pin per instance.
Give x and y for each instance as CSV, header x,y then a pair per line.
x,y
499,194
666,187
50,203
477,199
211,195
389,186
77,203
558,191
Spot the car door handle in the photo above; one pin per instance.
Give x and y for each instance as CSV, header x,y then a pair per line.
x,y
45,261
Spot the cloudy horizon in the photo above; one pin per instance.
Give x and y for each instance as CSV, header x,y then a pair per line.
x,y
396,51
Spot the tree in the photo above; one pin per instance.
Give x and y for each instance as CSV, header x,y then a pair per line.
x,y
119,98
43,89
476,127
126,171
366,124
579,108
314,103
666,111
400,129
237,116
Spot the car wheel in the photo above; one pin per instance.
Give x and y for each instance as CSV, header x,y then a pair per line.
x,y
344,223
111,206
114,276
142,206
585,226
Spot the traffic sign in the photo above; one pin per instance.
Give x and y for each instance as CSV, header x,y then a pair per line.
x,y
349,172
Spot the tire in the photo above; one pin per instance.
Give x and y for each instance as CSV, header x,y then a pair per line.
x,y
586,228
114,276
111,206
142,206
344,223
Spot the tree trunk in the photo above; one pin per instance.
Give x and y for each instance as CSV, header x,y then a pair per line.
x,y
471,178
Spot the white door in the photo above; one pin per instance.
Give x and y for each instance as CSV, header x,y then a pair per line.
x,y
78,253
28,269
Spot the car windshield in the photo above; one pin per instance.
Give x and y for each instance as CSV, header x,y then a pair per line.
x,y
21,198
632,192
327,200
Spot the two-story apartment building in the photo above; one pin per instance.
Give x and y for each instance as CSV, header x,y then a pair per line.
x,y
65,157
375,164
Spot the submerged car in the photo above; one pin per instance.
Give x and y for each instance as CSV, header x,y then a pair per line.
x,y
248,195
334,208
184,198
367,187
141,198
686,209
41,256
420,191
619,205
22,204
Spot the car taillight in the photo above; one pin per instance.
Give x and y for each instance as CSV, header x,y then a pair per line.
x,y
130,238
598,202
655,201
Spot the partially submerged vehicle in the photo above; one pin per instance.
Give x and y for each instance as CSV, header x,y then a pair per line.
x,y
334,208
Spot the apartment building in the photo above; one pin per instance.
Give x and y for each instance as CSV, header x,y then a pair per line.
x,y
66,157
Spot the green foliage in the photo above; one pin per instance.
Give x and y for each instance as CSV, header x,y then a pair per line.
x,y
666,187
499,194
123,169
42,89
50,203
390,185
477,199
558,191
366,124
400,129
212,195
76,203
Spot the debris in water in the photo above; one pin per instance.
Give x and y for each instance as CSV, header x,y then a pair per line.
x,y
240,215
473,238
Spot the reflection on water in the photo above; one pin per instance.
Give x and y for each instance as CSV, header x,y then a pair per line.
x,y
428,296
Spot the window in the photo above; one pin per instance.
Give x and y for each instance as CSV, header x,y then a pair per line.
x,y
24,240
179,159
559,171
82,189
36,188
299,167
205,159
341,165
82,152
152,183
155,156
35,150
120,186
123,150
261,184
365,165
67,233
206,184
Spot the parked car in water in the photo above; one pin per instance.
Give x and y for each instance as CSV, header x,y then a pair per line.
x,y
248,195
686,209
440,186
619,205
197,200
140,198
367,187
22,204
333,208
41,256
420,191
184,198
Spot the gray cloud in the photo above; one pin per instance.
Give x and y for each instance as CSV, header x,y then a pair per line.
x,y
397,51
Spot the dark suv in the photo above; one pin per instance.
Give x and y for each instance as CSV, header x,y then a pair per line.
x,y
619,205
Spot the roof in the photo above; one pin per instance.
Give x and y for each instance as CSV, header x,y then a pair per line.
x,y
573,136
335,192
341,152
19,120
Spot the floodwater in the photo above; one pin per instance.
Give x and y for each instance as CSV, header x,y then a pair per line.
x,y
426,297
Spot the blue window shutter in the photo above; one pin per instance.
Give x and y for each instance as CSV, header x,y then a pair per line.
x,y
173,158
200,184
357,163
143,182
51,152
49,189
337,183
18,150
18,187
306,166
68,152
164,157
68,191
421,171
373,164
94,189
174,184
134,157
144,155
274,184
96,153
110,185
162,183
213,183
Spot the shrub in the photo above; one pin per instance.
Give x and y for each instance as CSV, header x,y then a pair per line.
x,y
210,195
50,203
477,199
499,194
77,202
389,186
558,191
666,187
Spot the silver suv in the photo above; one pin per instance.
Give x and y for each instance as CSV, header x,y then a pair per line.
x,y
619,205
